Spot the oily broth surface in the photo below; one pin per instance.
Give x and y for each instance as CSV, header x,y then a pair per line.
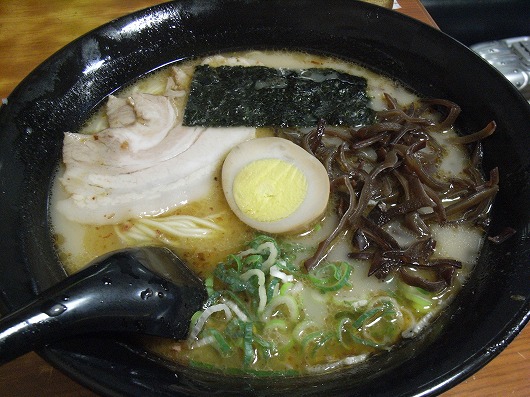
x,y
79,244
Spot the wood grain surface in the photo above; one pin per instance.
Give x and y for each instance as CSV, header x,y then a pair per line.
x,y
31,31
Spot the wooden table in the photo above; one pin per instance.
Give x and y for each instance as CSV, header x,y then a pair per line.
x,y
31,31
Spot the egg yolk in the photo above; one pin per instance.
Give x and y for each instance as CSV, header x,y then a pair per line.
x,y
268,190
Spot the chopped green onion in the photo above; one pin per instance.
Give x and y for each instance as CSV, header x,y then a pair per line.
x,y
221,343
264,346
235,328
195,317
287,300
345,314
342,330
277,331
273,255
421,299
197,328
320,342
262,295
212,299
365,342
310,337
248,349
237,311
335,281
302,328
367,315
271,288
234,297
254,261
261,239
261,292
232,279
318,339
208,283
276,272
288,266
231,259
285,288
275,324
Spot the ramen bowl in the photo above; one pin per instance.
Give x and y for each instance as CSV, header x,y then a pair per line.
x,y
59,95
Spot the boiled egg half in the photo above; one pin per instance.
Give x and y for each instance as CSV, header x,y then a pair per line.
x,y
274,185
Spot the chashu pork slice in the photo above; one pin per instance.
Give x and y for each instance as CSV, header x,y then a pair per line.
x,y
139,122
143,164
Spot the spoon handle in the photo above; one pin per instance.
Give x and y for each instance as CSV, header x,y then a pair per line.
x,y
118,294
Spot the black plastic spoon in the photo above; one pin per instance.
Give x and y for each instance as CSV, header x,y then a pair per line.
x,y
146,290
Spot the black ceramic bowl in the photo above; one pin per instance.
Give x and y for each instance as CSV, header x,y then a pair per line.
x,y
60,94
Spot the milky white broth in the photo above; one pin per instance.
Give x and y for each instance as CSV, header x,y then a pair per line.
x,y
78,244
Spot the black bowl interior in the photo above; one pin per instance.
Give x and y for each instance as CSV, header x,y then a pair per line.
x,y
57,96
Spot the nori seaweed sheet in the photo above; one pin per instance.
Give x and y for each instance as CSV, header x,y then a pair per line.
x,y
259,96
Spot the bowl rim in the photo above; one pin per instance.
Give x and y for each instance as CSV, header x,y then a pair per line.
x,y
465,369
